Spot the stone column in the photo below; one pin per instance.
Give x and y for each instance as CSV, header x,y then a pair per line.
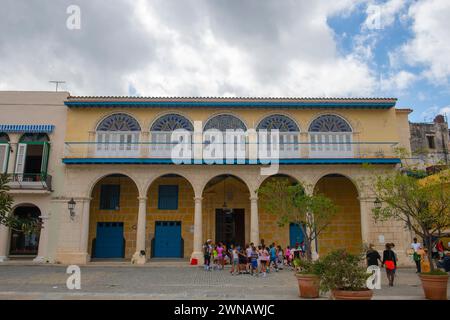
x,y
254,220
84,236
198,232
138,258
4,238
42,255
366,205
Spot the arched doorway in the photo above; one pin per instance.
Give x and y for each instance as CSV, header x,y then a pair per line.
x,y
227,208
25,244
344,230
170,218
269,229
113,218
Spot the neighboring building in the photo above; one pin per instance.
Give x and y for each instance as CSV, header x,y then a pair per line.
x,y
32,128
130,196
430,143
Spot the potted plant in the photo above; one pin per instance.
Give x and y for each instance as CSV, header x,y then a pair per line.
x,y
308,275
424,206
312,212
345,276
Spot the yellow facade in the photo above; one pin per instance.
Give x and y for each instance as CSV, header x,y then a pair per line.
x,y
344,230
368,125
199,198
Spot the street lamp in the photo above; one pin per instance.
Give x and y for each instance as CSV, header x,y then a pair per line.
x,y
377,203
71,205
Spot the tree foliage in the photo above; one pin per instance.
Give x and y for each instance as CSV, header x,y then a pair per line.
x,y
422,207
29,225
291,204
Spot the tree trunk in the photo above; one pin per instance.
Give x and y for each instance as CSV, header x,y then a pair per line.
x,y
430,252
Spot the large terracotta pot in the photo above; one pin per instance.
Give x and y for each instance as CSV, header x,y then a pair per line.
x,y
308,285
434,286
352,295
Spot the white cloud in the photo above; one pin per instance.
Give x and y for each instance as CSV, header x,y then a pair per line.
x,y
398,81
430,46
382,15
191,47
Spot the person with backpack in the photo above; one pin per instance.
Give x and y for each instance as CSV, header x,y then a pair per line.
x,y
390,263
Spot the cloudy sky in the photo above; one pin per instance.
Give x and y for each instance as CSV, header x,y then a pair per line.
x,y
320,48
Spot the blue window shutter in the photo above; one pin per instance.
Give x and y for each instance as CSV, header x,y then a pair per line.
x,y
110,197
168,197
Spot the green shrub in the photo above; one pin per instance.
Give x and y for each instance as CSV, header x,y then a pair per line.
x,y
304,266
343,271
435,273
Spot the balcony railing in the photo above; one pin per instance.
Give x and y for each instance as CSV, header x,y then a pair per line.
x,y
283,146
30,181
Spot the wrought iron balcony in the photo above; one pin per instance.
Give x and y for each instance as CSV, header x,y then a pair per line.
x,y
30,181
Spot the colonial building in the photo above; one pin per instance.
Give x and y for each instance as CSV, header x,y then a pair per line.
x,y
131,196
430,142
32,129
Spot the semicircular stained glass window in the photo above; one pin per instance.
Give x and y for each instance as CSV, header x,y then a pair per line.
x,y
171,122
119,122
278,121
225,122
329,123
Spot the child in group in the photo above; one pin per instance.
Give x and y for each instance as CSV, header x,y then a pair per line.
x,y
273,257
242,261
207,250
220,256
215,255
254,262
249,251
264,257
280,255
288,256
235,260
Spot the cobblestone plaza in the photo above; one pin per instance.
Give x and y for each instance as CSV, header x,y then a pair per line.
x,y
173,281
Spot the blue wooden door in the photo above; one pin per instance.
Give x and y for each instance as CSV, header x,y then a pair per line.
x,y
295,234
109,240
167,239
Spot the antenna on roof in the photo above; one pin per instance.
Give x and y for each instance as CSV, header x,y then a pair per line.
x,y
56,82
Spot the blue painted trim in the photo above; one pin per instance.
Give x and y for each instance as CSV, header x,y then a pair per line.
x,y
28,128
281,161
230,104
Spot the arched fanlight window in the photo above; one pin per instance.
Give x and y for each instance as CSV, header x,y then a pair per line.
x,y
118,135
330,137
287,138
223,122
278,121
34,137
162,134
119,122
329,123
171,122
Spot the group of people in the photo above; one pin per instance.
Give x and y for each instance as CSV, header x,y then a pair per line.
x,y
419,255
389,260
251,259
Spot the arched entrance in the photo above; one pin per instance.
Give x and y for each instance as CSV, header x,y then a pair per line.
x,y
344,230
113,218
25,244
227,208
287,235
170,217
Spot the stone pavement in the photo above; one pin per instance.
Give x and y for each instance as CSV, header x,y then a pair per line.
x,y
167,280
